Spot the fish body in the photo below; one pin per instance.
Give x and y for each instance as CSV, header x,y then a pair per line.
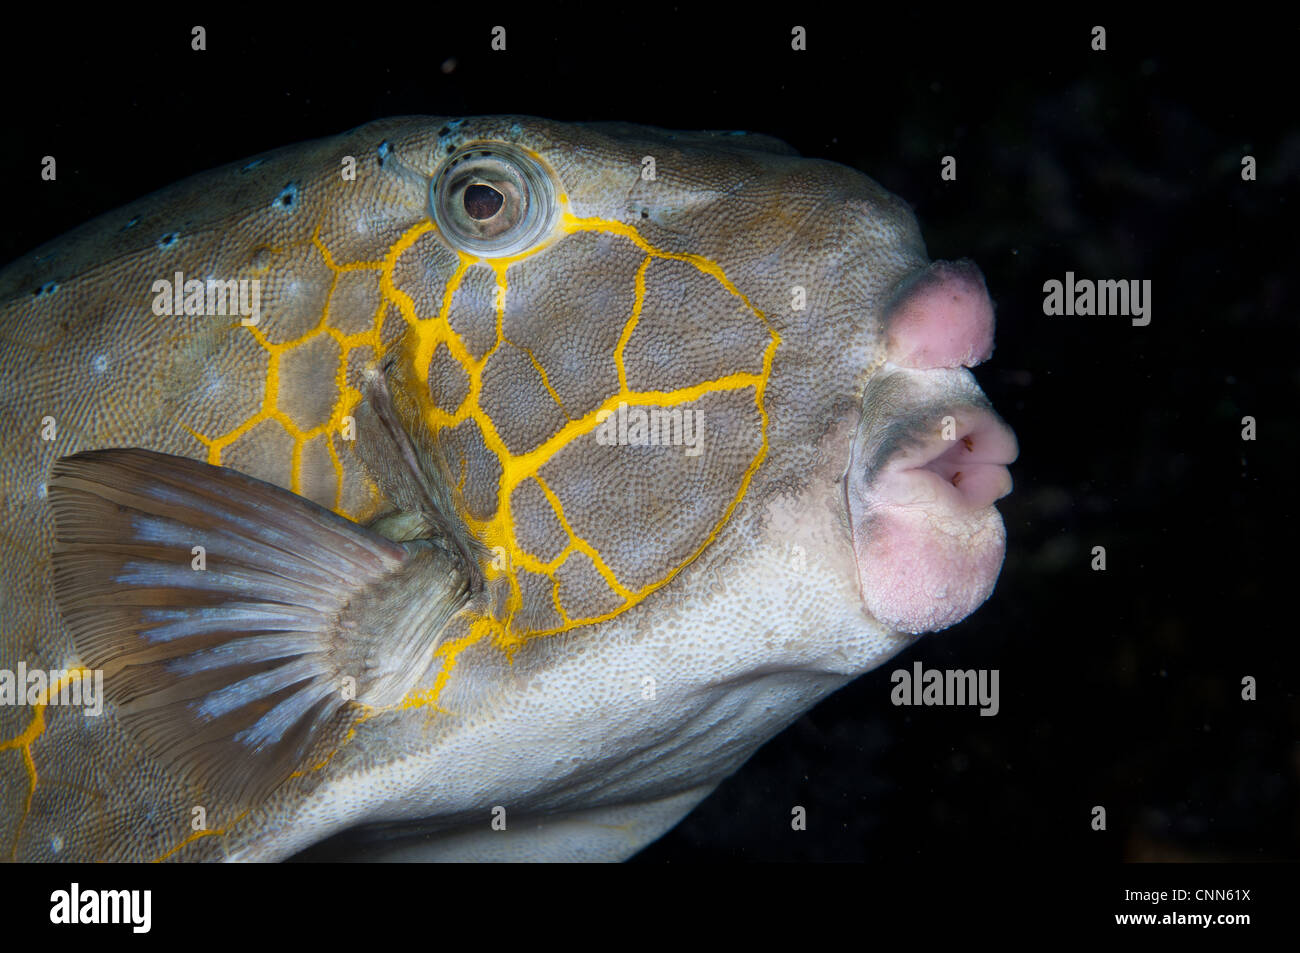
x,y
539,473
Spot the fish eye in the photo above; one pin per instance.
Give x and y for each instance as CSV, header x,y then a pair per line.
x,y
492,199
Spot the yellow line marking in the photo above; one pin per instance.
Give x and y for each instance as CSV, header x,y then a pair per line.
x,y
638,302
24,741
185,843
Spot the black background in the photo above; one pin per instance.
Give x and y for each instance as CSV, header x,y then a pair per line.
x,y
1119,688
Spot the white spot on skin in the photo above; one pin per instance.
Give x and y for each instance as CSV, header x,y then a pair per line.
x,y
211,385
56,843
99,364
42,491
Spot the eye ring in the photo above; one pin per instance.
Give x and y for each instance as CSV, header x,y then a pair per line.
x,y
492,199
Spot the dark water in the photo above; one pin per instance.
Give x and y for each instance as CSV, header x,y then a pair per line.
x,y
1119,688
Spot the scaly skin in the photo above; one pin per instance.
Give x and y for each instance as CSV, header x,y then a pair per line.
x,y
725,582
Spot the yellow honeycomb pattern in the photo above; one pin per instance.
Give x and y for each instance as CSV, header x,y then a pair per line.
x,y
498,531
424,337
348,396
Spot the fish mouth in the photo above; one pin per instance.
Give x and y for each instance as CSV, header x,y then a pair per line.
x,y
927,462
954,451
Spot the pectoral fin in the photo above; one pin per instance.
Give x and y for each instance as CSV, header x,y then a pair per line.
x,y
403,459
228,661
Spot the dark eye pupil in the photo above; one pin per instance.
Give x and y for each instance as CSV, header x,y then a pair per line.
x,y
482,201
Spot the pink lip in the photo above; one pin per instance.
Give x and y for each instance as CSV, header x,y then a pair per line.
x,y
928,462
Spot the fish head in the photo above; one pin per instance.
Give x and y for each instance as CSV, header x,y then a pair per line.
x,y
650,345
710,411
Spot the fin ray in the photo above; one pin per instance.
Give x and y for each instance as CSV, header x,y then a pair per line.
x,y
232,672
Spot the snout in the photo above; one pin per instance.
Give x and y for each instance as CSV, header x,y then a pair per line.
x,y
929,459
